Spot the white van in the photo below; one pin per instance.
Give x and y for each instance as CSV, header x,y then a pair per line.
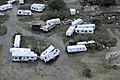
x,y
37,7
5,7
76,48
24,13
21,1
70,31
49,54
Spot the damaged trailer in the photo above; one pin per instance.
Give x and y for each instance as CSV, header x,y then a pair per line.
x,y
49,54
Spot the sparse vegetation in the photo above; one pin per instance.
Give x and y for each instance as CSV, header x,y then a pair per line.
x,y
3,29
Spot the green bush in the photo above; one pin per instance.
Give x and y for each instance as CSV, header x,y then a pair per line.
x,y
56,4
87,73
56,14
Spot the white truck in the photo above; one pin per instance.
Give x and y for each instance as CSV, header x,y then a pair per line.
x,y
24,13
49,54
37,7
86,42
76,48
86,26
5,7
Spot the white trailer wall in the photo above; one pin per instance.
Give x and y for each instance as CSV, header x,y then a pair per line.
x,y
86,26
11,1
46,52
77,22
24,12
53,21
37,7
76,48
72,11
17,41
70,31
84,30
5,7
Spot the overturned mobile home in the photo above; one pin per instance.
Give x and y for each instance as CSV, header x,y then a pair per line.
x,y
49,54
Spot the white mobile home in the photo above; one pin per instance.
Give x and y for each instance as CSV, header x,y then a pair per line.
x,y
20,49
76,48
77,22
70,31
24,13
17,41
21,1
86,42
5,7
84,30
73,11
50,24
37,7
49,54
53,21
11,1
86,26
24,55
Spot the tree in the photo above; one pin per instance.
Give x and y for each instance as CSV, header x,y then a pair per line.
x,y
56,4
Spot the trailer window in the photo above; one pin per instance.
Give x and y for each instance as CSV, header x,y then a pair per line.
x,y
85,30
45,58
90,31
15,57
32,57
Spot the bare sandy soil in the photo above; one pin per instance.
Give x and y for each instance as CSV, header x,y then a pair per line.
x,y
65,67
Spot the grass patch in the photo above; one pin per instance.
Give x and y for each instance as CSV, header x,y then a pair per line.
x,y
3,18
3,30
1,56
36,45
26,18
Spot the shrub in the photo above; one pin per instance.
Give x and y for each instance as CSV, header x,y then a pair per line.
x,y
87,73
56,4
56,14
